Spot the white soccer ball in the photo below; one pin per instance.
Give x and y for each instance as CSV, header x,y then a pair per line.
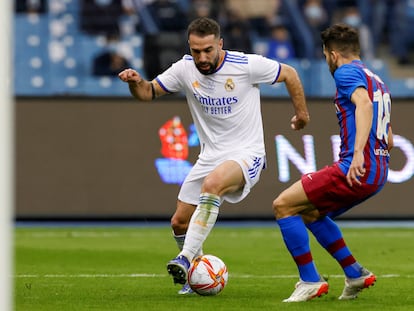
x,y
207,275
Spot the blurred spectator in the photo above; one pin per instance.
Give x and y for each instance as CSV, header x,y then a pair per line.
x,y
129,22
259,13
401,32
315,13
375,15
317,18
101,17
169,43
111,61
236,33
345,3
168,15
352,17
203,8
30,6
161,50
280,46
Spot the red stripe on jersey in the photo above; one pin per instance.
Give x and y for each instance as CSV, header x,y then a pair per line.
x,y
343,126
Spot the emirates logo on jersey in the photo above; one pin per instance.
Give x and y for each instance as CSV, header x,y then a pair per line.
x,y
229,85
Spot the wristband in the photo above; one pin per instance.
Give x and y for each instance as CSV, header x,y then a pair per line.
x,y
152,90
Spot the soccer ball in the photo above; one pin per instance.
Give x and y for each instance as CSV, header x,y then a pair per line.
x,y
207,275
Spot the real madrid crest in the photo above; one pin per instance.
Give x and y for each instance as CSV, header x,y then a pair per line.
x,y
229,85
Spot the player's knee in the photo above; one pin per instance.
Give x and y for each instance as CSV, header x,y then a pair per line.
x,y
277,203
280,207
211,185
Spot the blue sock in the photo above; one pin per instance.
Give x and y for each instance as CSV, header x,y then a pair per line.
x,y
297,242
328,234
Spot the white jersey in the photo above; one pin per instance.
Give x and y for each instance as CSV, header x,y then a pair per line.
x,y
225,105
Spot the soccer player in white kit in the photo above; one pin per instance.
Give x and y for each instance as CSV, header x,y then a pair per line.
x,y
222,91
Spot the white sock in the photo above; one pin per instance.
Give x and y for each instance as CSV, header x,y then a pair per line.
x,y
201,223
179,239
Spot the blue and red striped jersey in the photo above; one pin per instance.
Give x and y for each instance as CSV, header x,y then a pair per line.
x,y
348,77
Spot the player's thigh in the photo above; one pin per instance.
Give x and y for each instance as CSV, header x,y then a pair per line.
x,y
293,197
191,188
227,177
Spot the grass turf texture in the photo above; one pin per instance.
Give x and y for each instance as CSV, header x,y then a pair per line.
x,y
79,268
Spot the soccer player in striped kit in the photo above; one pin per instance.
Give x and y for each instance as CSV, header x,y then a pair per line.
x,y
223,96
363,106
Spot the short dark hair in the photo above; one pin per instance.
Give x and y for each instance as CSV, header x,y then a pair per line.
x,y
204,26
341,37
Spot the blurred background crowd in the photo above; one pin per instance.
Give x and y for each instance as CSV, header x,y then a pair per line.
x,y
99,38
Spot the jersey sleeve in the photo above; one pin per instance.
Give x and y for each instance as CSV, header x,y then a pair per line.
x,y
348,79
263,70
170,80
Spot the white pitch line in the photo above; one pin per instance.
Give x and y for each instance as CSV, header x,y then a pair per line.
x,y
99,275
148,275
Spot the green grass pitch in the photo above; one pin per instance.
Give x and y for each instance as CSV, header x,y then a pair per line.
x,y
124,268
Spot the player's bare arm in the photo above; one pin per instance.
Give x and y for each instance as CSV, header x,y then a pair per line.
x,y
139,87
390,138
290,77
363,123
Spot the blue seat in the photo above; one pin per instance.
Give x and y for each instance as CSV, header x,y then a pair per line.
x,y
320,81
89,48
380,68
31,64
402,87
104,86
279,89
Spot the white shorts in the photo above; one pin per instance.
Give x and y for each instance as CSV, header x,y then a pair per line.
x,y
251,165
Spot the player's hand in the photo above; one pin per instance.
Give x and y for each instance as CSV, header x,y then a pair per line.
x,y
356,170
130,76
299,122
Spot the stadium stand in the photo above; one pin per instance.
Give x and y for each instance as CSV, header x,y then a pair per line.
x,y
53,56
31,62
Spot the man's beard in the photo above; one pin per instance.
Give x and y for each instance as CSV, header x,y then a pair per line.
x,y
212,67
332,68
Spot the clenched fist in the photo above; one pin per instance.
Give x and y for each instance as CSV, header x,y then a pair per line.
x,y
130,75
